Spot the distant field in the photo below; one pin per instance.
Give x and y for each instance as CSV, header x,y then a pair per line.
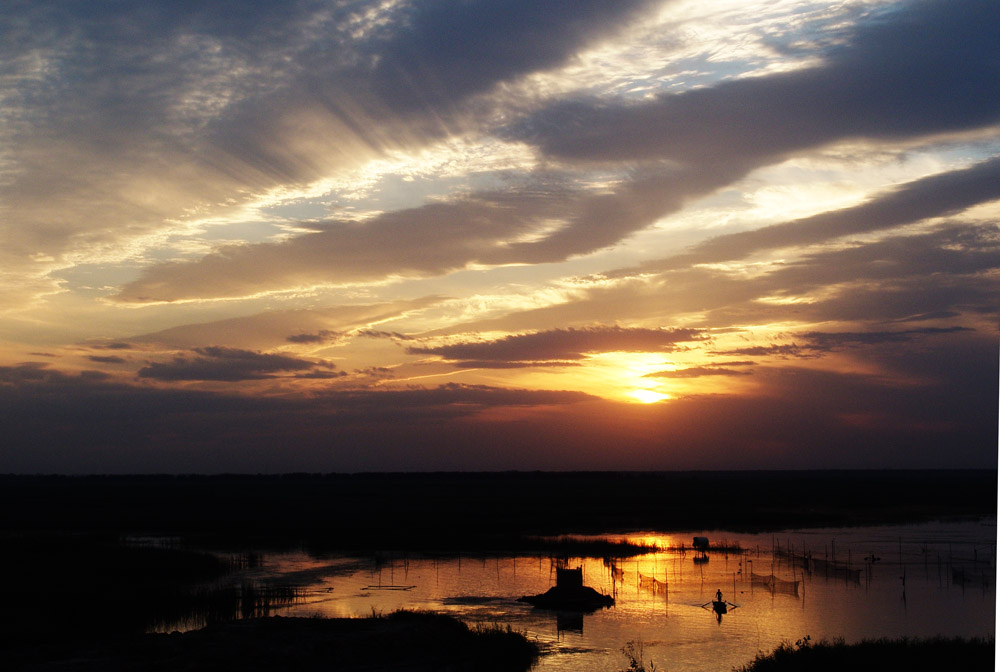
x,y
485,510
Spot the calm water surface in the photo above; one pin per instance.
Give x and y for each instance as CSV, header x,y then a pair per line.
x,y
932,579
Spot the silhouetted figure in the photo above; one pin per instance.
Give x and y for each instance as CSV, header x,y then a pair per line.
x,y
718,595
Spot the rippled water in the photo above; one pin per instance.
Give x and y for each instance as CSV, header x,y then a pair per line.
x,y
933,579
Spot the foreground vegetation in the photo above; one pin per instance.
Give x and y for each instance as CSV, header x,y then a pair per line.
x,y
401,641
65,587
912,655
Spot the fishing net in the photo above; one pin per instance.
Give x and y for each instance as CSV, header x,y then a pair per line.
x,y
652,584
774,584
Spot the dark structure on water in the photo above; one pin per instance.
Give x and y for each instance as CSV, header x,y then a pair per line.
x,y
569,594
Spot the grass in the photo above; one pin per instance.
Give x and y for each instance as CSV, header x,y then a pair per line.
x,y
912,655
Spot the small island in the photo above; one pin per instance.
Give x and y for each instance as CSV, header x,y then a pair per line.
x,y
569,594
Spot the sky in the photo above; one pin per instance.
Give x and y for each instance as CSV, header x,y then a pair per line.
x,y
412,235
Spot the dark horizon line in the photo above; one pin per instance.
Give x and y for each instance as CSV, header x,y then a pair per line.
x,y
500,472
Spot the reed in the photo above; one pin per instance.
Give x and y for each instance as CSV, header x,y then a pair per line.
x,y
633,650
197,607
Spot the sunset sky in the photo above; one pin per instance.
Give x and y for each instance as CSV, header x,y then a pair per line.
x,y
498,234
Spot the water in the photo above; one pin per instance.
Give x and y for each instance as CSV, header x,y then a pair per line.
x,y
915,588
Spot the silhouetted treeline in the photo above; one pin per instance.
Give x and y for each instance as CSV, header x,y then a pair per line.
x,y
441,511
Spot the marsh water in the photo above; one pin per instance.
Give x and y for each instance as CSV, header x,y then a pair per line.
x,y
854,583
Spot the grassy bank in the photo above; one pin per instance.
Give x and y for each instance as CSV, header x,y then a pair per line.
x,y
912,655
401,641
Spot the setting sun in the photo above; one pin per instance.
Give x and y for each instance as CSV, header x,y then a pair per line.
x,y
648,396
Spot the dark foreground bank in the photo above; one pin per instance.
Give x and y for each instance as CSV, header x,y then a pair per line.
x,y
912,655
480,511
403,641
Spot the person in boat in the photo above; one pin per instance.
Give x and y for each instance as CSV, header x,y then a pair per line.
x,y
718,595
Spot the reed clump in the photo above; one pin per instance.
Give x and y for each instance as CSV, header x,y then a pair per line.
x,y
633,650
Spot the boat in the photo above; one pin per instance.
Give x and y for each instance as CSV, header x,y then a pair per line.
x,y
719,605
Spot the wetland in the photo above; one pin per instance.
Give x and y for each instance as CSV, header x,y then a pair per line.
x,y
99,561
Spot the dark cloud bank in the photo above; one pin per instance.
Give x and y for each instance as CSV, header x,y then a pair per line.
x,y
941,414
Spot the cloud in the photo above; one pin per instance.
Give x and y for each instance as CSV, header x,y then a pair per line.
x,y
948,268
814,343
780,350
226,364
827,342
112,346
109,359
376,372
271,329
707,138
317,374
446,52
699,371
299,154
322,336
208,109
433,239
935,196
558,347
453,398
519,364
30,371
59,423
916,70
484,228
70,424
28,376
